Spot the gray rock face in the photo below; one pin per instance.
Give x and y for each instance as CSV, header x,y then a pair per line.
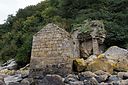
x,y
91,81
124,82
89,37
123,75
101,78
10,64
14,83
71,78
114,78
116,53
12,79
51,80
86,75
2,82
77,83
100,72
119,56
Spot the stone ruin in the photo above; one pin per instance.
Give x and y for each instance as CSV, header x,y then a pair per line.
x,y
54,49
52,52
90,42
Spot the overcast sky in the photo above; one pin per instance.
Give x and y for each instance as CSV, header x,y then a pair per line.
x,y
11,6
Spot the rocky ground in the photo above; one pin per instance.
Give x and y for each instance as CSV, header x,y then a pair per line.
x,y
110,68
84,78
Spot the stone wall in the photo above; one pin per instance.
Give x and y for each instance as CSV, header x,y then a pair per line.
x,y
52,52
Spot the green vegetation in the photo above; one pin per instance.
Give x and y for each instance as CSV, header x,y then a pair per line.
x,y
16,33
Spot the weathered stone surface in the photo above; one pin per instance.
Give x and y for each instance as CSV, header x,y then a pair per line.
x,y
123,75
76,43
101,78
52,52
114,78
77,83
10,65
124,82
91,81
97,33
14,83
115,52
51,80
100,64
102,83
71,78
25,82
89,40
79,65
91,59
12,79
2,82
100,72
7,72
119,56
86,75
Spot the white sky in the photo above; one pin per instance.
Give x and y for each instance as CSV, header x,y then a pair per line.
x,y
11,6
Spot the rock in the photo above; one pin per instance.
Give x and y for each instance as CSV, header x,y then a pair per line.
x,y
14,83
2,68
76,43
2,82
71,78
86,75
25,82
77,83
100,64
101,78
102,83
8,72
10,64
100,72
91,58
1,78
51,80
14,78
24,73
79,65
115,52
118,55
115,83
124,82
91,81
123,75
114,78
90,39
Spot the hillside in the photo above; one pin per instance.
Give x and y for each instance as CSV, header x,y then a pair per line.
x,y
16,33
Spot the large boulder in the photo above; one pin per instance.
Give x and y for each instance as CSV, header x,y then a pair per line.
x,y
13,79
116,53
51,80
79,65
119,56
86,75
100,63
